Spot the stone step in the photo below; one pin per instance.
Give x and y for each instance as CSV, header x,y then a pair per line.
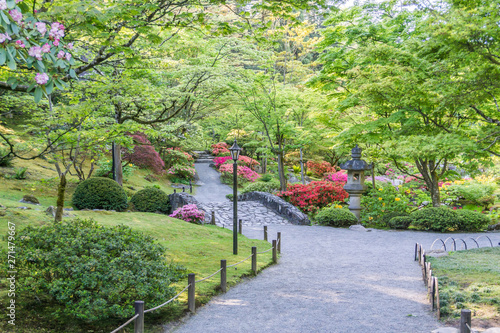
x,y
204,160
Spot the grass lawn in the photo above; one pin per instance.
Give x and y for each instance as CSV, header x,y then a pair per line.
x,y
470,280
198,248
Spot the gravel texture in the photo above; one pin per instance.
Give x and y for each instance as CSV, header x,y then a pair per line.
x,y
328,280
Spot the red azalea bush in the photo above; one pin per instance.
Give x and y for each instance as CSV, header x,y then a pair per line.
x,y
318,169
244,172
315,195
337,177
144,154
220,149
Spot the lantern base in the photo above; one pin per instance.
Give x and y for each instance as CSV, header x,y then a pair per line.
x,y
355,204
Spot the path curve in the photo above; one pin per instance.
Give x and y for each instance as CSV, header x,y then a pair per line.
x,y
328,280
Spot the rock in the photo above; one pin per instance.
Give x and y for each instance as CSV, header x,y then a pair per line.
x,y
446,330
493,330
30,199
494,227
357,227
131,188
23,207
69,209
51,211
293,179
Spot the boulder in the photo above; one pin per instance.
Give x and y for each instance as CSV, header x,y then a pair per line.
x,y
30,199
493,330
357,227
494,227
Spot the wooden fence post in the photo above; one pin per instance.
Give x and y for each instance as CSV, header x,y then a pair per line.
x,y
416,251
275,257
241,227
139,321
279,242
191,293
213,217
265,232
465,319
254,260
223,276
438,306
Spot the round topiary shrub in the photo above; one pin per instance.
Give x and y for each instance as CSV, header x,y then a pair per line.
x,y
400,222
470,220
80,270
436,218
386,218
152,200
336,217
100,193
269,187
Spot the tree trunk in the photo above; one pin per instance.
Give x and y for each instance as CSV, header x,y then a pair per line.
x,y
302,168
428,169
61,189
117,164
281,171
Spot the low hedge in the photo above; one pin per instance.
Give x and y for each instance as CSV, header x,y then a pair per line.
x,y
151,200
336,217
100,193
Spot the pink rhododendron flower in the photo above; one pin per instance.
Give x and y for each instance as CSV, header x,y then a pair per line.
x,y
35,52
56,30
20,43
46,48
68,56
16,15
41,27
70,46
3,5
41,78
4,37
56,42
61,54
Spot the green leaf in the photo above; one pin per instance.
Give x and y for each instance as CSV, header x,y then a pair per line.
x,y
4,17
58,84
3,56
49,87
72,73
38,94
11,4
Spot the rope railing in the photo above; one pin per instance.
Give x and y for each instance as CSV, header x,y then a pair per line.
x,y
208,277
138,318
169,301
124,325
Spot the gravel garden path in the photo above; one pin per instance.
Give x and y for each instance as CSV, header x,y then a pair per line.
x,y
328,280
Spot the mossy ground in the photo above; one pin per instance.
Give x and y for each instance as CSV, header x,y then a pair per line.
x,y
470,280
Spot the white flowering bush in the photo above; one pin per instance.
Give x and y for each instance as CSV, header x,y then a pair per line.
x,y
29,44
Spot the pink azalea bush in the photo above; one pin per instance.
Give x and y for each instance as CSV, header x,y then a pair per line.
x,y
247,161
189,213
244,173
218,161
337,177
220,149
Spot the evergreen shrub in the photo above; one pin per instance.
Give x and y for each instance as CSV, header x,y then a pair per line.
x,y
470,220
336,217
99,193
152,200
436,218
400,222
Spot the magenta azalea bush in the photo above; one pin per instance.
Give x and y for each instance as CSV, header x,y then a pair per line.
x,y
218,161
189,213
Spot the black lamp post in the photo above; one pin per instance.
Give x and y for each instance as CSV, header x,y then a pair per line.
x,y
235,153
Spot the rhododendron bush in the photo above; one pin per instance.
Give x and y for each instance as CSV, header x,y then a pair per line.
x,y
189,213
218,161
244,173
318,169
31,44
144,154
173,156
182,171
242,160
315,195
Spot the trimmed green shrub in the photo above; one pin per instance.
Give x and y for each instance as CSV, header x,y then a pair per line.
x,y
400,222
100,193
267,177
470,220
386,218
152,200
269,187
87,272
336,217
436,218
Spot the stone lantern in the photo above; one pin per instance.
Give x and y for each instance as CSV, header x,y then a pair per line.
x,y
355,180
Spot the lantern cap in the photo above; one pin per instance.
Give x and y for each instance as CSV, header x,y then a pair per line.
x,y
356,164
